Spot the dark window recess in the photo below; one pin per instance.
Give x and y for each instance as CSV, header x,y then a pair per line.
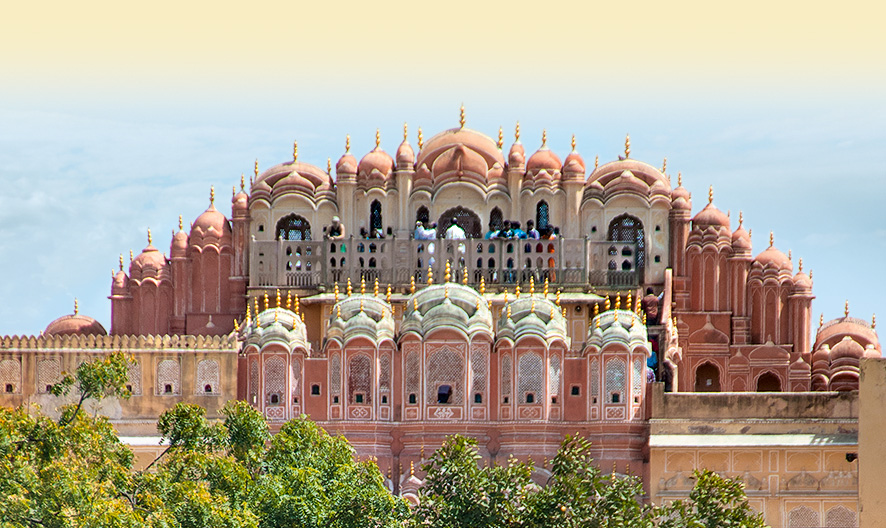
x,y
530,398
412,398
478,398
315,390
261,228
553,399
207,388
10,388
295,399
375,215
275,399
616,397
358,398
384,399
576,390
507,400
335,399
167,389
128,388
444,393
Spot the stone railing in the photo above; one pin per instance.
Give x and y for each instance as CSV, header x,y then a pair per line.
x,y
564,262
119,342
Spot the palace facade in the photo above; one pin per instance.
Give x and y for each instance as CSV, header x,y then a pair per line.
x,y
613,324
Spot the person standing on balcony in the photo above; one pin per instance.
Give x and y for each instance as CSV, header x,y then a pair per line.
x,y
336,230
454,231
492,233
531,232
518,233
421,233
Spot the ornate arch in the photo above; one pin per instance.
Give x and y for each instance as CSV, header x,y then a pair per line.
x,y
293,227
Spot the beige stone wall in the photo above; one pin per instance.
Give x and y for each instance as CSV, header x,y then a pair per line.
x,y
872,443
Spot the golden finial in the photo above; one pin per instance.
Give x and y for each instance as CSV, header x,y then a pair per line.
x,y
464,277
531,285
596,309
256,167
517,133
810,274
363,285
628,302
411,468
482,285
597,322
248,314
421,139
302,317
289,299
276,315
412,284
644,318
448,274
479,302
336,292
121,261
422,452
405,132
596,161
446,291
740,218
544,138
790,255
553,310
181,223
509,312
532,306
873,321
388,295
461,117
361,304
557,300
546,288
573,142
615,315
375,288
679,179
628,146
638,304
771,239
150,238
329,166
266,301
278,298
750,233
415,304
489,304
820,320
76,306
338,310
517,292
350,289
255,300
711,194
377,138
664,165
501,137
242,182
846,309
295,151
606,304
506,295
618,301
347,144
236,326
430,276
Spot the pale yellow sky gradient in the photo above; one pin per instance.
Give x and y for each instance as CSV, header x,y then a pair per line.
x,y
382,41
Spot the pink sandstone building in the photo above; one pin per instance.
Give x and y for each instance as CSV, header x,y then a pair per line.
x,y
611,327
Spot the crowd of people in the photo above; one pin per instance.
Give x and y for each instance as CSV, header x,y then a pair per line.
x,y
511,230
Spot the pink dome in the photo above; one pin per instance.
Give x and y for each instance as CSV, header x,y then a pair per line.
x,y
240,202
710,216
516,157
347,164
614,169
211,219
544,159
835,330
179,244
847,348
120,284
802,282
574,163
149,259
774,258
405,156
74,325
376,160
741,239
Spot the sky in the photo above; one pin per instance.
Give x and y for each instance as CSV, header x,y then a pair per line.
x,y
118,117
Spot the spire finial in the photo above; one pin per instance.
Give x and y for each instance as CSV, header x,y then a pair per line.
x,y
810,274
256,167
233,191
363,285
242,182
375,288
820,320
295,151
211,194
573,142
547,284
130,256
618,301
336,292
531,285
267,302
464,277
517,133
350,288
347,144
482,285
740,218
790,255
801,265
596,161
388,295
411,468
679,179
278,298
771,239
121,261
329,166
544,138
628,146
448,274
501,137
377,138
76,306
664,165
421,139
412,284
873,321
289,299
846,309
461,117
430,276
150,238
711,194
405,132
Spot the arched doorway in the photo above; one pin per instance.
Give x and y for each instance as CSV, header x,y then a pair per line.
x,y
707,378
768,382
626,228
467,220
293,227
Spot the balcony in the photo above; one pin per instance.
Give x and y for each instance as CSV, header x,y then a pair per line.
x,y
566,263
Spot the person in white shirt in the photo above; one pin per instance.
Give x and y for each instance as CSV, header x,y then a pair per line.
x,y
424,234
454,231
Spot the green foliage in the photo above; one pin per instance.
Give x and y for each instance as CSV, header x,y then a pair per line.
x,y
714,502
95,379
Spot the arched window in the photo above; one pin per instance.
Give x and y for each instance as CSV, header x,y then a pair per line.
x,y
626,228
422,215
375,215
495,219
542,217
768,382
707,378
293,227
467,220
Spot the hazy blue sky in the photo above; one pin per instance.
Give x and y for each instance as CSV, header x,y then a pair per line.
x,y
92,157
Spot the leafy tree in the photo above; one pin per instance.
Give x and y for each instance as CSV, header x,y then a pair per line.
x,y
95,379
714,502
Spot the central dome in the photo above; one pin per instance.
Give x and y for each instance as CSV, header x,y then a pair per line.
x,y
476,141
